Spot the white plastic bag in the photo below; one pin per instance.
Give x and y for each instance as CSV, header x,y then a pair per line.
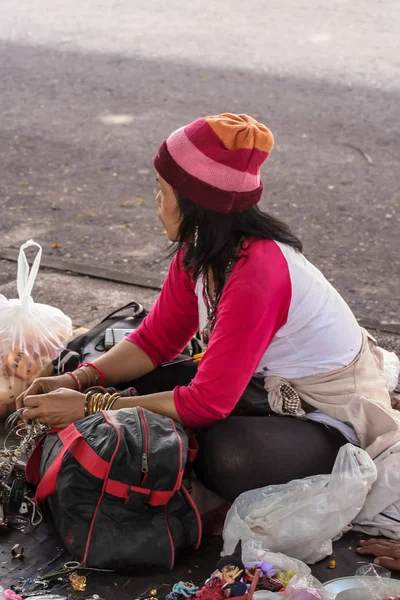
x,y
391,368
300,518
31,335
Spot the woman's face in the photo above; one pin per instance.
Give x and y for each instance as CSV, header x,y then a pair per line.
x,y
168,211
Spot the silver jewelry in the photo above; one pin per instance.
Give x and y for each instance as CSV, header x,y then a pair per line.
x,y
212,303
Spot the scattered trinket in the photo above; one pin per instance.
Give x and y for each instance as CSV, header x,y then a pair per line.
x,y
153,593
332,564
72,564
269,584
187,589
17,551
78,582
265,567
284,577
227,579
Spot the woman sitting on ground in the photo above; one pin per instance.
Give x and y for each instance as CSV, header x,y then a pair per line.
x,y
279,340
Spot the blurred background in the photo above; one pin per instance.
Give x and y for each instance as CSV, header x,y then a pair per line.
x,y
90,88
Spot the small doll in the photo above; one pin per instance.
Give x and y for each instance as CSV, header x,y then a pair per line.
x,y
231,570
226,582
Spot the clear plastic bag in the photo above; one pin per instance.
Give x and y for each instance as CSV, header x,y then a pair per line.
x,y
302,517
300,588
303,586
31,335
391,369
371,582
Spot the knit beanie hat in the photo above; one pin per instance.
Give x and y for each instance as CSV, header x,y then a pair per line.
x,y
215,161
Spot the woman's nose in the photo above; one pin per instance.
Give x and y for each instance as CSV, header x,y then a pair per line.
x,y
158,199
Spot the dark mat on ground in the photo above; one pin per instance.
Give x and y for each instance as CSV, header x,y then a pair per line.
x,y
43,554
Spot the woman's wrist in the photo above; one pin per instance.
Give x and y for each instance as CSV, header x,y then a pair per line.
x,y
71,381
93,371
82,377
88,377
74,379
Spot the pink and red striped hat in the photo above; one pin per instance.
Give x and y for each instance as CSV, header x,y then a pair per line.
x,y
215,161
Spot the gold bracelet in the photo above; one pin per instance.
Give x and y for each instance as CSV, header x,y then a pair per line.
x,y
103,402
88,396
92,403
117,397
112,399
97,402
98,397
96,375
87,374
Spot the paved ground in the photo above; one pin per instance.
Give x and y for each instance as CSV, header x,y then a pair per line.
x,y
43,551
324,77
89,89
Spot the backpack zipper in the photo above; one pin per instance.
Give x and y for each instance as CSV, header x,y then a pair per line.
x,y
145,435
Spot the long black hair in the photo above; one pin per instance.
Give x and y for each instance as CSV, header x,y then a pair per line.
x,y
217,235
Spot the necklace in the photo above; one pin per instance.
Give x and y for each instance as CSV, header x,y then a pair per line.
x,y
212,303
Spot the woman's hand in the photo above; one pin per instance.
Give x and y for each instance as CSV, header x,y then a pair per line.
x,y
44,385
57,408
386,551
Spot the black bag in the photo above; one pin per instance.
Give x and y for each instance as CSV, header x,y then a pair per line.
x,y
90,345
113,485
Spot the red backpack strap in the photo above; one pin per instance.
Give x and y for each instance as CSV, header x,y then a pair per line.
x,y
32,469
193,448
69,436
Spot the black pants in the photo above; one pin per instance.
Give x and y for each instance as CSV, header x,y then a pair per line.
x,y
253,447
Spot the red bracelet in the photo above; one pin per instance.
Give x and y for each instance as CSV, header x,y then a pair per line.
x,y
95,368
76,379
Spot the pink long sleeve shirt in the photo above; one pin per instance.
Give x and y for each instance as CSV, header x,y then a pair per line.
x,y
275,317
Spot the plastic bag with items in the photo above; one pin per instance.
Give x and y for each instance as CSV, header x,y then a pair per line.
x,y
31,334
302,517
391,368
302,585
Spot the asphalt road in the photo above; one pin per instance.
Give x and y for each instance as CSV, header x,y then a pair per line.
x,y
89,89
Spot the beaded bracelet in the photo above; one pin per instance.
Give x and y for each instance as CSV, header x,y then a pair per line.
x,y
95,368
76,380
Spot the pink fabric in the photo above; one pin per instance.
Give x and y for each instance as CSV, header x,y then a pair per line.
x,y
201,134
172,321
197,164
253,306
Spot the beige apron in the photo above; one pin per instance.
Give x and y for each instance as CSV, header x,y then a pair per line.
x,y
356,394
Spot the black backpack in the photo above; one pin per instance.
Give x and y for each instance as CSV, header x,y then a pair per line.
x,y
113,485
